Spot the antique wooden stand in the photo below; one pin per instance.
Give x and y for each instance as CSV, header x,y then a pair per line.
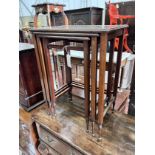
x,y
48,8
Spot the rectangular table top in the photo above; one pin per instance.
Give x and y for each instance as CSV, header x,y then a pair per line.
x,y
80,28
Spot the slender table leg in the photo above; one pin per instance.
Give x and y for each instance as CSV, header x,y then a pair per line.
x,y
56,73
102,68
118,64
110,69
39,66
40,53
68,73
49,75
93,80
87,81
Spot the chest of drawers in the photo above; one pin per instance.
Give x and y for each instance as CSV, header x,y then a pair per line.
x,y
65,134
54,145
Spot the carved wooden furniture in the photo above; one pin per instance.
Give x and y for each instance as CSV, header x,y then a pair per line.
x,y
65,134
48,8
83,16
116,18
93,39
30,90
125,8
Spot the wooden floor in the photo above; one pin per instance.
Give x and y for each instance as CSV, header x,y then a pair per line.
x,y
118,130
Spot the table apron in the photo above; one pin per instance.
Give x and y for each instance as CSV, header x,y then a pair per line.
x,y
69,34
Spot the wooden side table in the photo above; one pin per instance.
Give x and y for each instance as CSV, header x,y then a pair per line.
x,y
92,37
48,8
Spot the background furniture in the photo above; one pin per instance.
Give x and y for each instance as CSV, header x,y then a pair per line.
x,y
125,8
117,18
132,95
84,16
48,8
128,72
30,90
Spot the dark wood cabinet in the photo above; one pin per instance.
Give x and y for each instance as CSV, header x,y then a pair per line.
x,y
84,16
30,90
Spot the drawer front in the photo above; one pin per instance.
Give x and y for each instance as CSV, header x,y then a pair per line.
x,y
57,144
